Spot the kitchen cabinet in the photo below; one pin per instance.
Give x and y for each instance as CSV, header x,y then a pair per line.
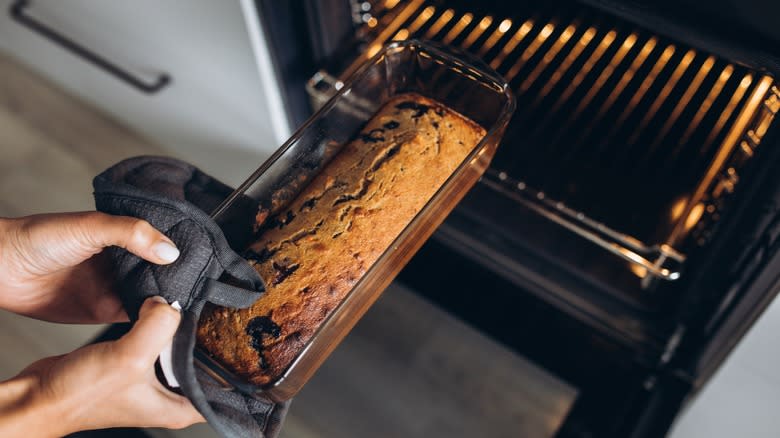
x,y
222,109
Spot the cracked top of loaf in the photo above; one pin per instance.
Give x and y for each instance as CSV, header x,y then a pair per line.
x,y
314,252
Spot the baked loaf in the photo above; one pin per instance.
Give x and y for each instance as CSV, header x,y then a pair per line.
x,y
316,250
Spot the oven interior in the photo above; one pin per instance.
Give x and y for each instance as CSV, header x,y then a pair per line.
x,y
621,158
625,153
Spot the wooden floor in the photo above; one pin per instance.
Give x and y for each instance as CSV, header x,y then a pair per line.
x,y
407,370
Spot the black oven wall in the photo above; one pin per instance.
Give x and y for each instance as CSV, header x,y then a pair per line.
x,y
289,32
307,35
738,30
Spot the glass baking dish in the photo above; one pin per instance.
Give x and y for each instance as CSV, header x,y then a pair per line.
x,y
473,90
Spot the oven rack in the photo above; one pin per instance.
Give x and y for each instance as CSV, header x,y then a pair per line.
x,y
659,260
595,91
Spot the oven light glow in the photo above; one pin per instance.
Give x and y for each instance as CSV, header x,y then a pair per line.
x,y
373,50
495,36
639,271
694,216
707,104
513,42
418,22
440,23
678,208
725,115
548,58
586,38
458,28
505,25
401,35
547,30
477,32
663,94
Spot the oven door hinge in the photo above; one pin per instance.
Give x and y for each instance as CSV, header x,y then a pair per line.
x,y
672,346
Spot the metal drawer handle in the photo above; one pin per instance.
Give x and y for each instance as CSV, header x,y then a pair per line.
x,y
18,14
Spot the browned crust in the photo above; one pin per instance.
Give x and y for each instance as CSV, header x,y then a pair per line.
x,y
337,228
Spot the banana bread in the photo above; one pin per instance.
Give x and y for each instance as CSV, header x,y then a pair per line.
x,y
315,251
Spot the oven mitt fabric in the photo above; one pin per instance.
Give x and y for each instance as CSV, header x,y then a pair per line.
x,y
174,197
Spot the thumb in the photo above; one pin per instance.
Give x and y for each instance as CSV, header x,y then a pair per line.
x,y
135,235
152,332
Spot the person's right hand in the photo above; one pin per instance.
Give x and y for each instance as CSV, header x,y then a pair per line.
x,y
112,384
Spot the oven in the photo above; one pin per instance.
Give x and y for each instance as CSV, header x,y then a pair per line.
x,y
625,236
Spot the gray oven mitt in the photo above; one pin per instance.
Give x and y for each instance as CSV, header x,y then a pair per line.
x,y
174,197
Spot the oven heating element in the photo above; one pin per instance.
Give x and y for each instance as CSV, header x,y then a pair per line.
x,y
628,139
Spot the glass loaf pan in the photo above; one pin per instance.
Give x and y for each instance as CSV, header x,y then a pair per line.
x,y
400,67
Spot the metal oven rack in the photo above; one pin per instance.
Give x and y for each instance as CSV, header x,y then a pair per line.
x,y
605,105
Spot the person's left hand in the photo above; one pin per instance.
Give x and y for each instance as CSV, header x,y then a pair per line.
x,y
108,384
51,266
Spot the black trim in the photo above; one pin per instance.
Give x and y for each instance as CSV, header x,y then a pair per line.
x,y
286,32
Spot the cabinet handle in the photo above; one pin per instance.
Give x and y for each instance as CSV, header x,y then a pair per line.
x,y
18,13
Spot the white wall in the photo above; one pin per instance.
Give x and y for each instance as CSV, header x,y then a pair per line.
x,y
222,111
743,398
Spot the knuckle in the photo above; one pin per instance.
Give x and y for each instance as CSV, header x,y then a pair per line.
x,y
165,313
136,364
140,233
130,361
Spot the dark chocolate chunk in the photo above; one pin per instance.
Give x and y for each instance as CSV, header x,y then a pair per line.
x,y
392,124
270,223
373,136
350,197
283,271
344,213
287,219
389,154
258,327
419,108
260,257
309,204
309,232
435,125
275,222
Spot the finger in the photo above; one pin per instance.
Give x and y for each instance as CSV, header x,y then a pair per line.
x,y
180,412
135,235
184,415
152,332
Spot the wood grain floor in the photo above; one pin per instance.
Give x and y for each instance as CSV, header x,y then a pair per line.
x,y
407,370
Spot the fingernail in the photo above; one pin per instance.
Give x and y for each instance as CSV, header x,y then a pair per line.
x,y
166,251
150,302
158,299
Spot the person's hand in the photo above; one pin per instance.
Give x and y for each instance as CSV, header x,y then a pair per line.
x,y
51,266
109,384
